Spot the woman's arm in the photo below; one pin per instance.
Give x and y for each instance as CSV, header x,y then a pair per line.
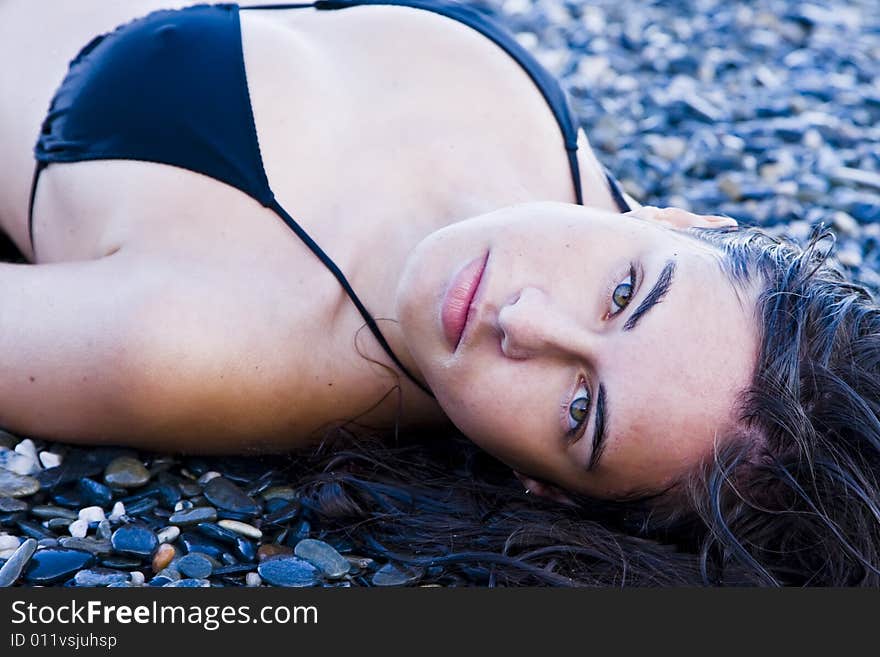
x,y
154,351
62,346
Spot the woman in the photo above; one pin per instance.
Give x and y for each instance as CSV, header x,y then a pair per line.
x,y
168,307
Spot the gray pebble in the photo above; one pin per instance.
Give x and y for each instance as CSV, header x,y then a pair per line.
x,y
194,516
100,577
288,571
396,575
16,485
15,565
323,557
126,472
195,565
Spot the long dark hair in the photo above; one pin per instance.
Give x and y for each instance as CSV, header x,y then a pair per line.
x,y
791,497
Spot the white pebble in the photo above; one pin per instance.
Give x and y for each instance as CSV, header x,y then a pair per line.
x,y
117,512
812,139
845,223
5,554
253,579
180,506
137,578
8,542
241,528
27,448
208,476
50,459
168,534
92,514
16,462
850,257
79,528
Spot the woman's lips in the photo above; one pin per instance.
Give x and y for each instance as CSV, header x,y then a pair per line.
x,y
455,310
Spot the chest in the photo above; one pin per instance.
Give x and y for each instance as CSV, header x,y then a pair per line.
x,y
377,125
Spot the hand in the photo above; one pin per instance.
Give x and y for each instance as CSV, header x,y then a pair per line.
x,y
678,218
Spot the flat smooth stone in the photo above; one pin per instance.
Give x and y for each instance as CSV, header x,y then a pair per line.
x,y
195,565
100,577
120,562
16,485
56,564
87,544
196,543
126,472
136,540
12,505
288,571
47,511
279,493
94,492
242,528
396,575
322,556
194,516
223,494
217,532
12,569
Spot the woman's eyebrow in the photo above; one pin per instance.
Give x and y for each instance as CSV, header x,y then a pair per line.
x,y
654,296
599,427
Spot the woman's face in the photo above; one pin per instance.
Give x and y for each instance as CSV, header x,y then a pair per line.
x,y
602,352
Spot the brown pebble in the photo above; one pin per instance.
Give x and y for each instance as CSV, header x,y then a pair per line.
x,y
164,554
272,550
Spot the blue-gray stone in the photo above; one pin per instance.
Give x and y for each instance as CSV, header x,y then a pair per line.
x,y
223,494
126,472
288,571
15,564
160,580
12,505
141,506
93,492
283,515
56,564
194,542
246,550
100,577
193,516
34,530
135,539
48,511
87,544
215,531
323,557
392,574
195,565
120,562
16,485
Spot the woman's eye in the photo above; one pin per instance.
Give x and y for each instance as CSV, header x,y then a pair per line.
x,y
578,409
623,293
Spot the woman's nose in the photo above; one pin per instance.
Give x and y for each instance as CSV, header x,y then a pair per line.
x,y
532,325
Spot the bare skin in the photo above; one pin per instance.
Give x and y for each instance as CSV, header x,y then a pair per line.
x,y
167,310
